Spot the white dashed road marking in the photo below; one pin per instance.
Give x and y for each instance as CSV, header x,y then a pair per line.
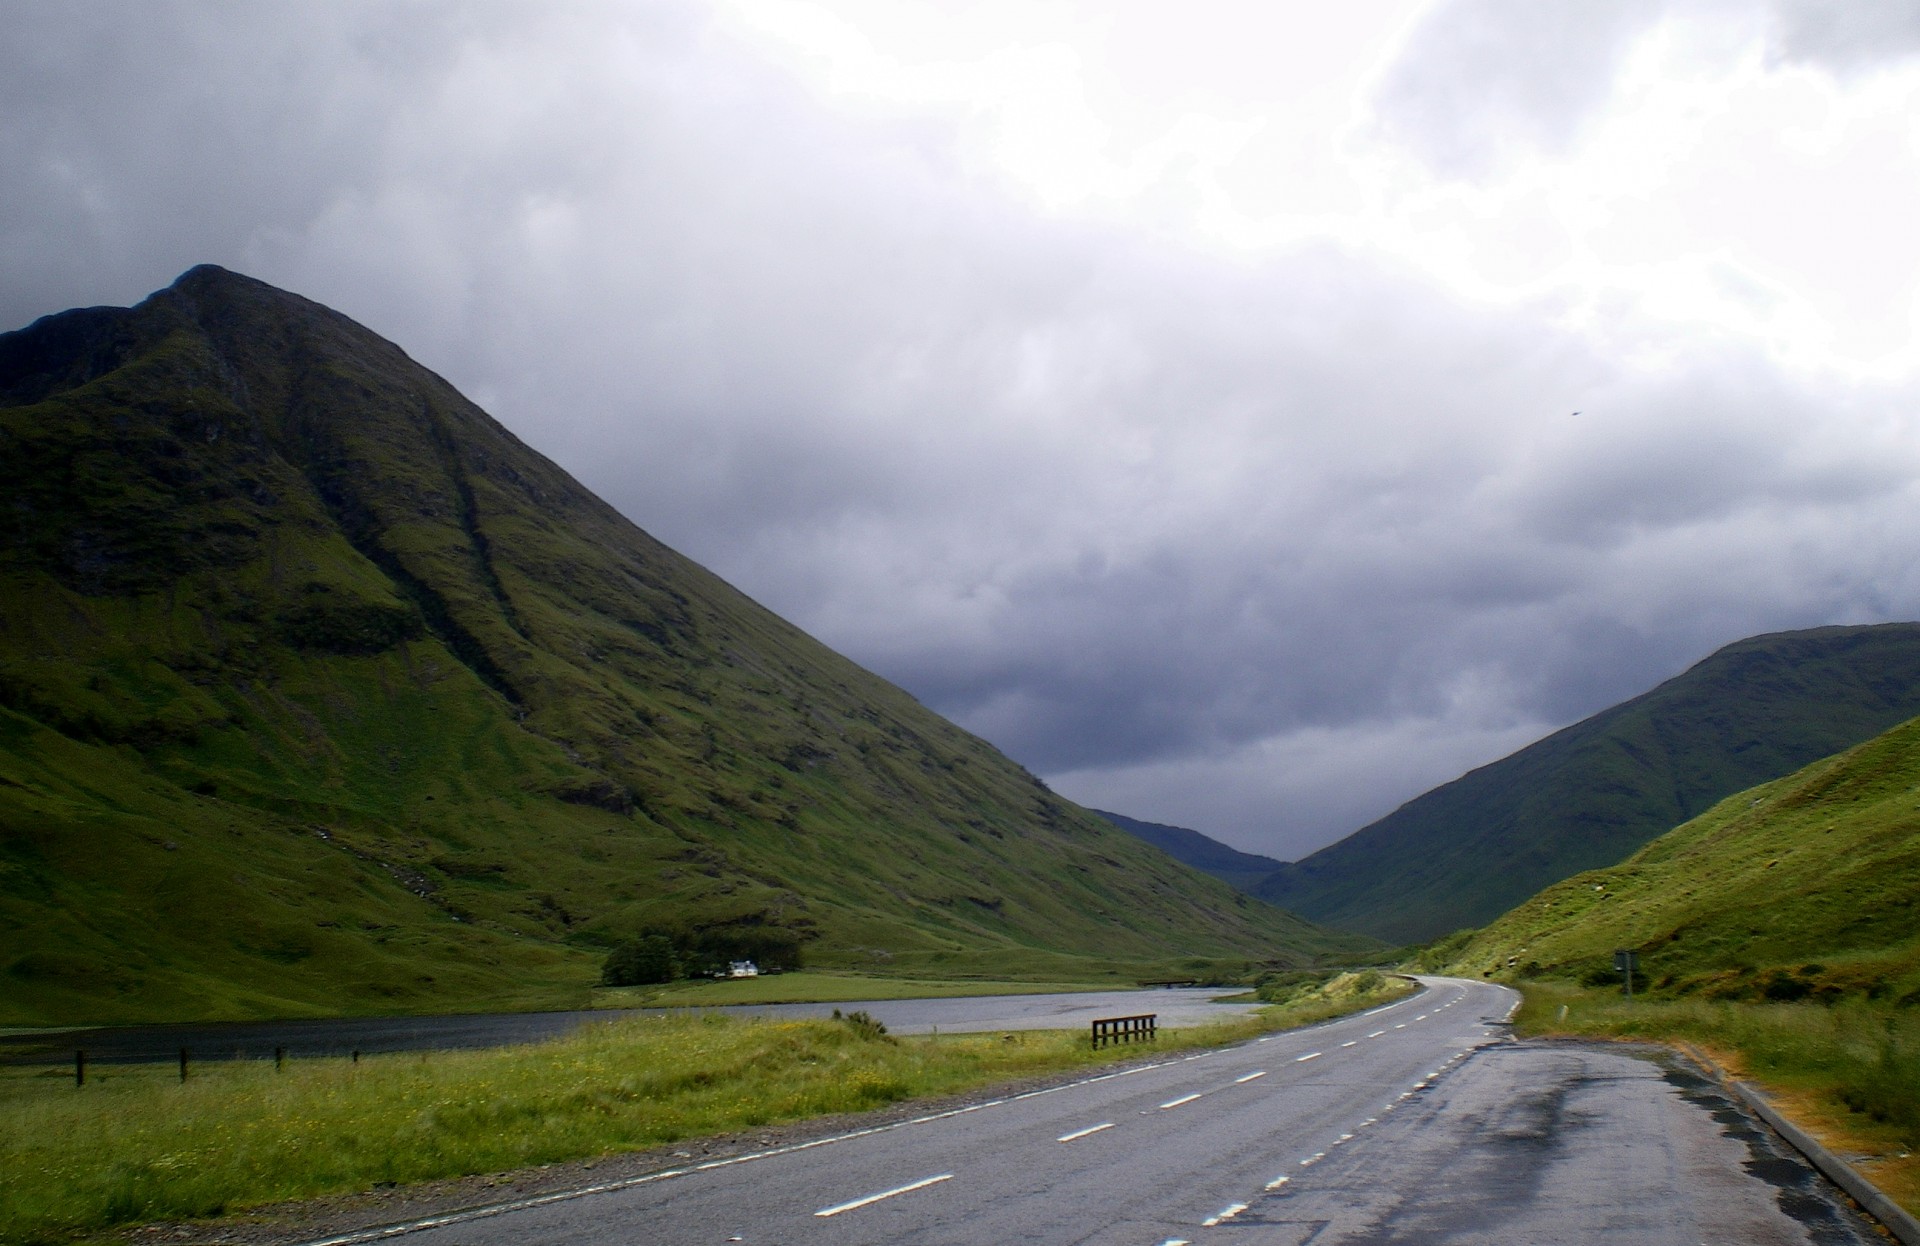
x,y
851,1204
1081,1133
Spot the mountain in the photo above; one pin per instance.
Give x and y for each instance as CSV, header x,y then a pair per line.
x,y
321,692
1589,795
1806,887
1241,870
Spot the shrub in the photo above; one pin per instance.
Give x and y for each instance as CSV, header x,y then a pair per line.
x,y
1279,988
1783,987
864,1024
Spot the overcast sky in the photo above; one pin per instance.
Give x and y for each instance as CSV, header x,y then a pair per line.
x,y
1181,397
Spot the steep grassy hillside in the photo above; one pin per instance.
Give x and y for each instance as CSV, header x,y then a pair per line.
x,y
1242,870
321,692
1588,796
1804,888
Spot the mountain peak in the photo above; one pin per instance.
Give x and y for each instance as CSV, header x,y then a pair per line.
x,y
299,648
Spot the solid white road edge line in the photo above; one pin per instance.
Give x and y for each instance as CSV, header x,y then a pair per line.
x,y
851,1204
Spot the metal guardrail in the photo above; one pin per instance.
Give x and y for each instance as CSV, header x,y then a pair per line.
x,y
1143,1028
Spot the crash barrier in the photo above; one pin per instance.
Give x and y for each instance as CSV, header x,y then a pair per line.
x,y
1125,1029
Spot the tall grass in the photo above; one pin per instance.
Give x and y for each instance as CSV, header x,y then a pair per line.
x,y
134,1144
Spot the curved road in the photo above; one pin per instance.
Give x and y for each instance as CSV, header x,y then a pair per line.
x,y
1418,1122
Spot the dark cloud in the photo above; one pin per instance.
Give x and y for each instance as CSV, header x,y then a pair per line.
x,y
1263,548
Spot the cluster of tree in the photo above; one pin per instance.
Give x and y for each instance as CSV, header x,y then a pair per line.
x,y
664,955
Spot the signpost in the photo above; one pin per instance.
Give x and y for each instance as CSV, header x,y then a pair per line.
x,y
1626,960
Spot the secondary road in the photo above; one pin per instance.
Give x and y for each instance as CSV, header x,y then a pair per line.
x,y
1418,1122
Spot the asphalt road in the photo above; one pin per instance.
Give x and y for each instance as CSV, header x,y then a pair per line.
x,y
1420,1122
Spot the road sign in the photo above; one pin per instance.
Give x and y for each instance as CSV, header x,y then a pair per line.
x,y
1626,960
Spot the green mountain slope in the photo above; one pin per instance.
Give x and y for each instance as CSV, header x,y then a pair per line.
x,y
1242,870
1587,796
321,692
1806,887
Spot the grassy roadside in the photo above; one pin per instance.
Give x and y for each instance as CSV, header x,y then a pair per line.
x,y
135,1145
1848,1073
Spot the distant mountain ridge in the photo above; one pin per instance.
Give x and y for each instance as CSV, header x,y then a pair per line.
x,y
1588,796
321,692
1241,870
1802,888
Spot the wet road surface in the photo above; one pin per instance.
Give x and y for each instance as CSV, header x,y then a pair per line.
x,y
1528,1143
1422,1122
